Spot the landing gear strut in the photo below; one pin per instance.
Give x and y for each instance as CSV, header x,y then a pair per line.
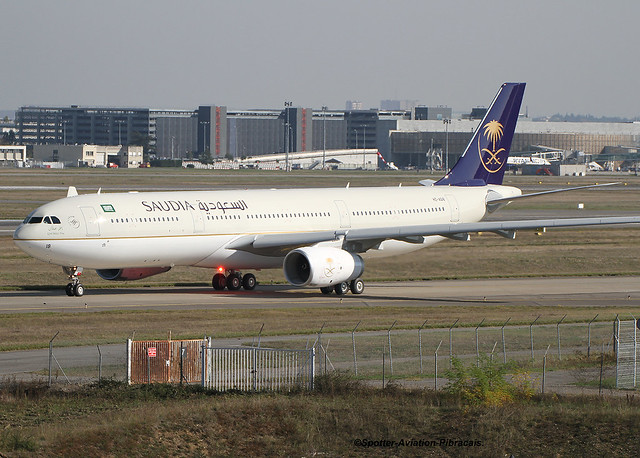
x,y
74,287
233,281
356,286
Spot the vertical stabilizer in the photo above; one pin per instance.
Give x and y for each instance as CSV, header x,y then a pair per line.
x,y
485,159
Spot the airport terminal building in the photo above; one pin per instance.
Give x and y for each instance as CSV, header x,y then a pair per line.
x,y
409,138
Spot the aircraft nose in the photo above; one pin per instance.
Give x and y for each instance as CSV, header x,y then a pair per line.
x,y
17,233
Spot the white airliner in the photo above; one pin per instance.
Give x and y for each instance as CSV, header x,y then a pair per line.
x,y
319,236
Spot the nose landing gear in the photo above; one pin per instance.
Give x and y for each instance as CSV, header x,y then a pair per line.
x,y
74,287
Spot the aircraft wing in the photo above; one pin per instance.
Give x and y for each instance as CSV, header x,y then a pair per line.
x,y
496,201
360,240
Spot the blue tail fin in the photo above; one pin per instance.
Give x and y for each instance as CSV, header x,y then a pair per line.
x,y
485,159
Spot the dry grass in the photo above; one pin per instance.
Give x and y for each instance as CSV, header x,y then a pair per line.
x,y
115,420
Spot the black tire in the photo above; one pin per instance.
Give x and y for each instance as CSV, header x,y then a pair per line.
x,y
357,286
69,289
342,288
249,282
219,282
326,290
78,290
234,282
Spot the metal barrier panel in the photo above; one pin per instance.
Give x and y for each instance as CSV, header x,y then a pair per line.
x,y
626,355
175,361
257,369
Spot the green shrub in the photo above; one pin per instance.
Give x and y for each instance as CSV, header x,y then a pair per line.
x,y
486,384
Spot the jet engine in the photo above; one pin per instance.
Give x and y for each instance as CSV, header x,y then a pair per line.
x,y
321,266
130,273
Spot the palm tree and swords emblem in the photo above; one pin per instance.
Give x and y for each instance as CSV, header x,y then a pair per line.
x,y
493,130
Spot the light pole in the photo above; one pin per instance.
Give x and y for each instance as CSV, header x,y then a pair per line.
x,y
324,134
446,122
364,148
287,138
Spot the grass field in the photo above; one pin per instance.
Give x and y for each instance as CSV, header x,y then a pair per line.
x,y
339,419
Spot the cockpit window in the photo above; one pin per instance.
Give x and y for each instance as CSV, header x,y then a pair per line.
x,y
26,220
35,220
55,220
47,220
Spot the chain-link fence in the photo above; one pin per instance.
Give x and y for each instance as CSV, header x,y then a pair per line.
x,y
573,355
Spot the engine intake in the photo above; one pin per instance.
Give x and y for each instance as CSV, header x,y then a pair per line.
x,y
321,266
130,273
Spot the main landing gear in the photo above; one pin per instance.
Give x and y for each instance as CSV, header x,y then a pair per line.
x,y
356,286
234,281
74,287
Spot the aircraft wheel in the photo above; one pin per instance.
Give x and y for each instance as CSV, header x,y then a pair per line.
x,y
69,289
234,282
249,282
342,288
219,282
78,290
326,290
357,286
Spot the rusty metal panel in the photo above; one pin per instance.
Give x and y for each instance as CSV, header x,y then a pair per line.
x,y
175,360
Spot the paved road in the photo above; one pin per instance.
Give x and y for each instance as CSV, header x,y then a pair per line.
x,y
588,291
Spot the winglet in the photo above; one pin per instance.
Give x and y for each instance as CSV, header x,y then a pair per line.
x,y
72,191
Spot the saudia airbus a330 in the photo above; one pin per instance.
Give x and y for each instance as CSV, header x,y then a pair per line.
x,y
318,236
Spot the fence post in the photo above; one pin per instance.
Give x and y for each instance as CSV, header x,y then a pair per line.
x,y
260,334
493,350
601,369
616,341
435,380
544,368
51,354
635,350
353,340
558,329
390,356
320,346
384,350
615,345
99,364
504,348
451,343
254,366
203,347
477,349
589,335
531,336
129,346
420,342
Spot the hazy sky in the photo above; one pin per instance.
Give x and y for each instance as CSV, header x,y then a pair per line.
x,y
579,56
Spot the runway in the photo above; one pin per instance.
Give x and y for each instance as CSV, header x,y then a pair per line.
x,y
570,291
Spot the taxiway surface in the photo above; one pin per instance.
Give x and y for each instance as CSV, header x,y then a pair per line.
x,y
583,291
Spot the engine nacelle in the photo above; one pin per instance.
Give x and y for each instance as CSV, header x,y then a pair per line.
x,y
131,273
321,266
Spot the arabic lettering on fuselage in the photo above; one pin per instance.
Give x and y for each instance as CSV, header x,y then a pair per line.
x,y
185,205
